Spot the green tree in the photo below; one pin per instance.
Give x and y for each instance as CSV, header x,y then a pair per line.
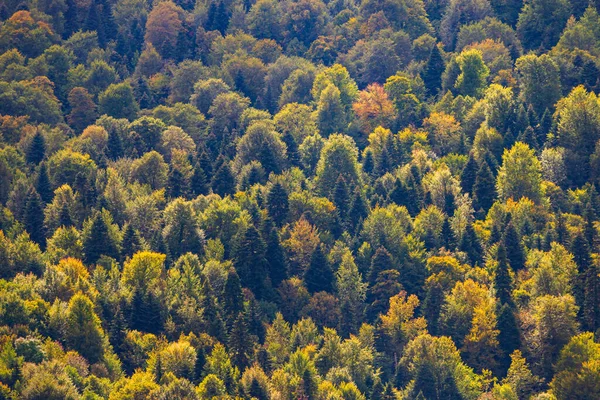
x,y
98,241
319,277
473,73
33,218
84,331
37,149
432,74
331,117
278,203
118,101
250,261
520,175
540,81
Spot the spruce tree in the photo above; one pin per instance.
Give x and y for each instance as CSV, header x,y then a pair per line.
x,y
381,261
98,242
199,183
132,243
278,203
509,338
469,174
470,245
250,261
214,324
276,258
341,199
33,218
502,281
42,184
448,239
233,298
64,218
484,189
114,146
514,248
319,277
358,210
432,74
240,344
223,182
36,150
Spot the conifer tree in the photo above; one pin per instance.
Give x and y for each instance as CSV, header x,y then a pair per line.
x,y
36,150
432,74
250,261
278,203
276,258
233,298
42,184
99,242
199,183
469,174
114,145
514,248
319,277
502,281
132,243
341,199
484,189
33,218
470,245
381,261
223,182
240,343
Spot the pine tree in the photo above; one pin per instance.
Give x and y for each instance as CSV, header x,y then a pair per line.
x,y
358,210
381,261
233,298
250,261
341,199
145,312
582,257
319,277
70,15
42,184
432,74
223,182
199,365
484,189
36,150
276,260
509,338
64,218
368,163
98,242
199,183
470,245
240,343
278,203
449,241
514,248
434,299
502,282
33,218
114,145
213,320
132,243
469,174
177,184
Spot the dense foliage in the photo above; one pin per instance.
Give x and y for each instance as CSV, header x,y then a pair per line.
x,y
298,199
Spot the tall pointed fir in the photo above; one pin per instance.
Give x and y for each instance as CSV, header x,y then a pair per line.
x,y
223,182
98,242
250,261
132,243
233,298
319,277
42,184
277,203
432,74
276,258
469,174
199,183
33,218
514,248
240,342
36,151
484,189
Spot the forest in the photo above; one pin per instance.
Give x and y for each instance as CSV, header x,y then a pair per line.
x,y
299,199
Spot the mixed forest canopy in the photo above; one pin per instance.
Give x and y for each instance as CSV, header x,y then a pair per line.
x,y
299,199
